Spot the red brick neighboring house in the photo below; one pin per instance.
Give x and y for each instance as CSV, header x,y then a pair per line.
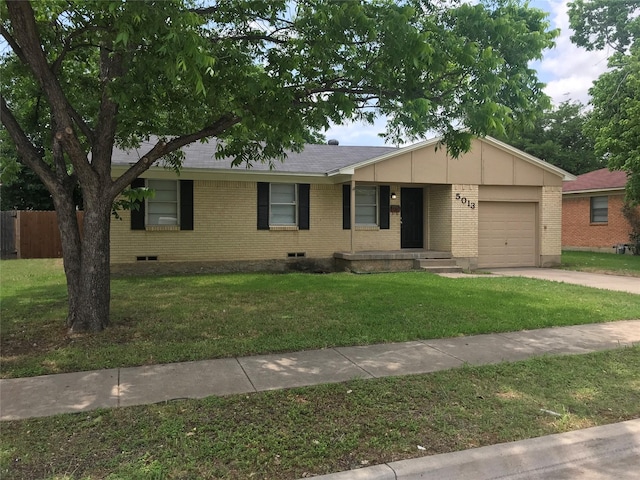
x,y
592,216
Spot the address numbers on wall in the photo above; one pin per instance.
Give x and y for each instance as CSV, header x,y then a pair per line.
x,y
466,202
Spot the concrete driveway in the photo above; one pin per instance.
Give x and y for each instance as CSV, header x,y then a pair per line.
x,y
596,280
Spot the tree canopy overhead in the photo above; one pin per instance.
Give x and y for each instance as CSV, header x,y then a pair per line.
x,y
81,76
615,95
558,137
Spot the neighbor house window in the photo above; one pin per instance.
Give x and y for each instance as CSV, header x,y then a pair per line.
x,y
599,209
366,205
282,204
163,208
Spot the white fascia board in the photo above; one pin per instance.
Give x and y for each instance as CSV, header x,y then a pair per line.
x,y
245,175
595,190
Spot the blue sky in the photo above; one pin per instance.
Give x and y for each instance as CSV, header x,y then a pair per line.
x,y
567,70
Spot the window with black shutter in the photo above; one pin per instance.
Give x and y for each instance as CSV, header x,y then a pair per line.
x,y
283,205
171,204
372,206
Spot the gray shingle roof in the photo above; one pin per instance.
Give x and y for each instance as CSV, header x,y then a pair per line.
x,y
314,159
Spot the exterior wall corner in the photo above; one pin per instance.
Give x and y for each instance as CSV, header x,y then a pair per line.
x,y
464,221
550,222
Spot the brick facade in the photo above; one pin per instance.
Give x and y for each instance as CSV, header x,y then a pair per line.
x,y
225,229
225,207
464,228
579,232
550,226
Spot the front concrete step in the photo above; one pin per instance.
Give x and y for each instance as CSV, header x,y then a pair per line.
x,y
434,265
455,269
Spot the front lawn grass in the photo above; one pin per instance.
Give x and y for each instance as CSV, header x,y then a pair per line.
x,y
163,319
315,430
599,262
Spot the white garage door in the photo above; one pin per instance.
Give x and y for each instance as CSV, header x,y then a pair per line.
x,y
506,234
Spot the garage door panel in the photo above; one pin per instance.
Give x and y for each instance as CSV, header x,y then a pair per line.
x,y
506,234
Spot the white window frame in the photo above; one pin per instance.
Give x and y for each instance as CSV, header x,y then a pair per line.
x,y
149,201
294,204
599,213
376,205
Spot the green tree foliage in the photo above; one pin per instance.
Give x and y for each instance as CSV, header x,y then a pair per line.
x,y
557,137
25,192
81,76
600,24
20,187
615,95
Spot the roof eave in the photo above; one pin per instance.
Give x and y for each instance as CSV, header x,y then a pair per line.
x,y
350,169
595,190
233,174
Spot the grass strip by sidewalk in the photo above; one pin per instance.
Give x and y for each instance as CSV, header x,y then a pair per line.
x,y
599,262
329,428
163,319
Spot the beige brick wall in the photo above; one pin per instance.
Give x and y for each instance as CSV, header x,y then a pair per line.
x,y
439,207
551,221
225,228
464,221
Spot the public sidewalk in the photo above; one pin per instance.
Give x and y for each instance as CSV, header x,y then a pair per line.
x,y
84,391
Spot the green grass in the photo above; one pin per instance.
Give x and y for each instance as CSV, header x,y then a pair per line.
x,y
292,433
598,262
164,319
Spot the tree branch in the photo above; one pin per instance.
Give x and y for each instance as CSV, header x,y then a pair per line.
x,y
27,37
110,68
68,46
163,148
27,152
12,43
251,38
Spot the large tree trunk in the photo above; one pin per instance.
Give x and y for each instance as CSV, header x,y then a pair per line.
x,y
86,264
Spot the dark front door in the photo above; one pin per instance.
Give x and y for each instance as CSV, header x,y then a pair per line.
x,y
412,230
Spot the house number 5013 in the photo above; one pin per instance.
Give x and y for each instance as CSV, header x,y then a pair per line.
x,y
466,202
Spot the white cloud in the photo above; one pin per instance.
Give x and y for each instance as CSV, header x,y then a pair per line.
x,y
568,70
358,133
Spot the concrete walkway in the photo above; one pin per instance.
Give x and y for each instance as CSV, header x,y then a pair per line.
x,y
84,391
618,283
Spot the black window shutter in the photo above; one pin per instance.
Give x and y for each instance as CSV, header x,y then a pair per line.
x,y
137,216
346,207
384,206
263,206
186,204
303,206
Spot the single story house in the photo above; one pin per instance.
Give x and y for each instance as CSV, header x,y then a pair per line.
x,y
592,216
333,207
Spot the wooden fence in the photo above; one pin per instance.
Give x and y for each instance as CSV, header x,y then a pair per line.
x,y
31,234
